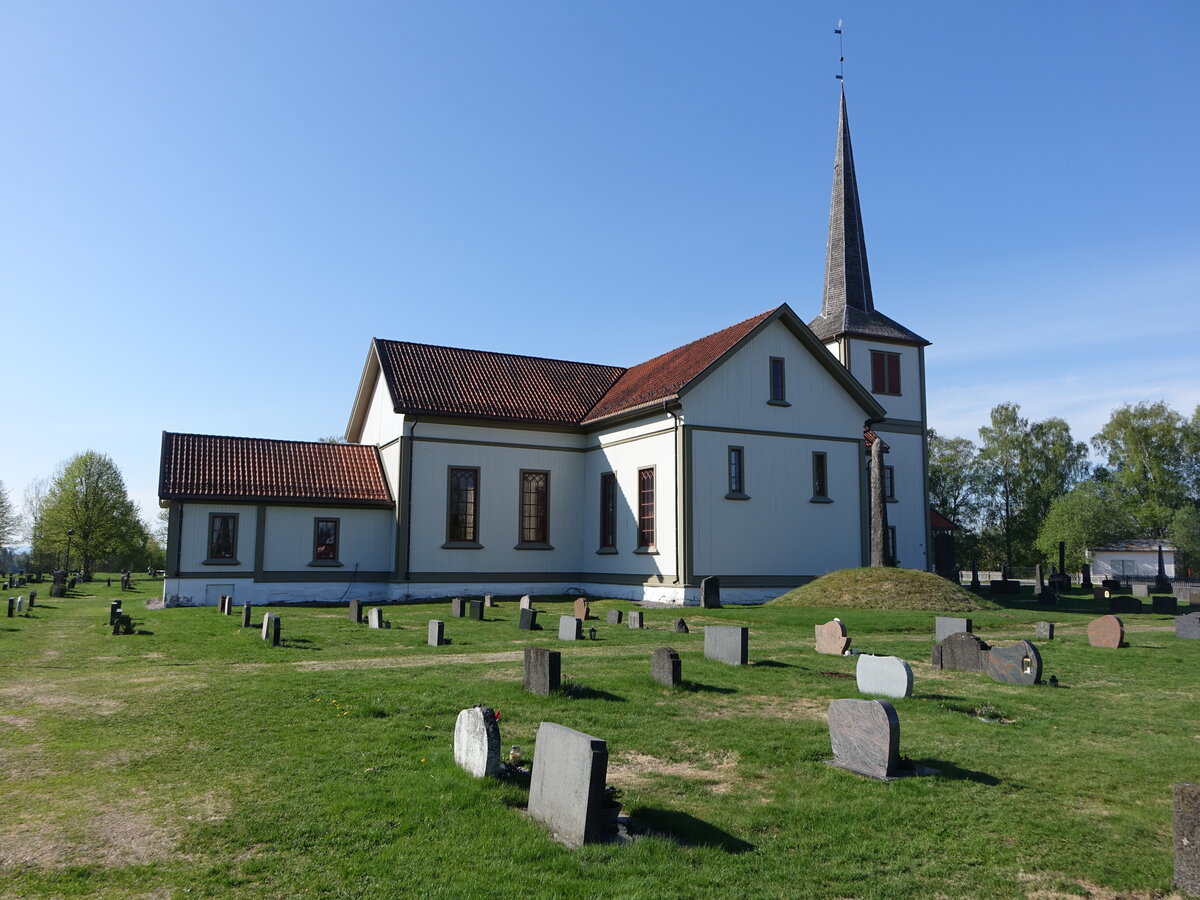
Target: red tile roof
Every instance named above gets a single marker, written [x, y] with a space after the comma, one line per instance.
[938, 522]
[449, 381]
[213, 467]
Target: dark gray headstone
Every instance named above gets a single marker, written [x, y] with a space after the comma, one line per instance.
[1043, 631]
[727, 643]
[962, 650]
[1121, 604]
[33, 596]
[356, 612]
[1037, 574]
[543, 671]
[710, 592]
[1085, 580]
[681, 627]
[528, 620]
[477, 742]
[477, 610]
[458, 608]
[1186, 807]
[246, 615]
[1188, 627]
[665, 667]
[944, 626]
[437, 633]
[12, 607]
[635, 618]
[1019, 664]
[570, 628]
[1164, 606]
[865, 735]
[614, 617]
[566, 789]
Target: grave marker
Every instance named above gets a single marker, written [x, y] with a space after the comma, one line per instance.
[614, 617]
[246, 614]
[1043, 631]
[1019, 664]
[437, 634]
[665, 667]
[886, 675]
[865, 735]
[566, 790]
[477, 742]
[727, 643]
[681, 627]
[961, 650]
[635, 618]
[1085, 581]
[1122, 604]
[1185, 803]
[528, 620]
[1164, 606]
[458, 608]
[583, 611]
[570, 628]
[12, 606]
[488, 601]
[1188, 627]
[831, 638]
[271, 629]
[944, 626]
[476, 610]
[526, 602]
[710, 592]
[1141, 590]
[1106, 631]
[355, 612]
[543, 671]
[375, 617]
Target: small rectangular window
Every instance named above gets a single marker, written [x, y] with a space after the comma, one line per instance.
[535, 507]
[608, 511]
[737, 474]
[885, 372]
[325, 540]
[645, 509]
[462, 506]
[778, 382]
[820, 476]
[222, 536]
[889, 482]
[890, 549]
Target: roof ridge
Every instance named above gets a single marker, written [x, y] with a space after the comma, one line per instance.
[241, 437]
[572, 362]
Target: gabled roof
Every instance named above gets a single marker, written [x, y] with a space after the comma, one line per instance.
[938, 522]
[219, 468]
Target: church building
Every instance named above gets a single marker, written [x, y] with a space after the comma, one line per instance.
[743, 454]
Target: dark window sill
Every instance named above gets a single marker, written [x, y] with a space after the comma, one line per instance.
[221, 562]
[778, 403]
[530, 545]
[888, 393]
[332, 563]
[647, 551]
[737, 495]
[607, 551]
[462, 545]
[891, 499]
[820, 500]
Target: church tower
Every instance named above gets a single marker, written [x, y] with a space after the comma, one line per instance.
[887, 359]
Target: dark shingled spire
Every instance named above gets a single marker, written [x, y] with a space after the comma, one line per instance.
[848, 306]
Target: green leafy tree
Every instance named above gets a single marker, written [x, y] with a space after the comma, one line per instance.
[88, 496]
[954, 479]
[1185, 535]
[1146, 446]
[1085, 517]
[10, 522]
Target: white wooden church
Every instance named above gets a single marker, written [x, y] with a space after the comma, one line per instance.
[743, 454]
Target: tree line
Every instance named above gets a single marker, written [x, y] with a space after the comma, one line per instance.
[1026, 485]
[85, 506]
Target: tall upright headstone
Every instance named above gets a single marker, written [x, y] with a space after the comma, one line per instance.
[476, 610]
[436, 633]
[665, 667]
[477, 742]
[583, 610]
[635, 618]
[355, 612]
[710, 592]
[1086, 579]
[375, 617]
[566, 789]
[246, 614]
[458, 608]
[976, 586]
[12, 607]
[1162, 584]
[543, 671]
[727, 643]
[569, 628]
[528, 620]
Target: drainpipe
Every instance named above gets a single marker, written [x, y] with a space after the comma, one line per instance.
[408, 502]
[667, 409]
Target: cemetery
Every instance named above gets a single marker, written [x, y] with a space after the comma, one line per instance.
[334, 750]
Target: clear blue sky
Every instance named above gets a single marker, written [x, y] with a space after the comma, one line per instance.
[210, 208]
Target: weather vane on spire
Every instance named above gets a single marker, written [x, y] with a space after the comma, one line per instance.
[841, 76]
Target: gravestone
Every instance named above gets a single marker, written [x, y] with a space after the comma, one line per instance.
[1005, 587]
[681, 627]
[566, 789]
[477, 610]
[228, 605]
[477, 742]
[356, 612]
[1185, 803]
[886, 675]
[976, 587]
[1162, 584]
[727, 643]
[614, 617]
[114, 610]
[1037, 574]
[1182, 591]
[246, 615]
[831, 638]
[12, 606]
[944, 626]
[570, 628]
[1141, 590]
[1113, 584]
[710, 592]
[963, 651]
[1188, 627]
[437, 633]
[665, 667]
[1106, 631]
[1043, 631]
[123, 624]
[20, 605]
[1164, 606]
[458, 608]
[635, 618]
[526, 602]
[1019, 664]
[375, 617]
[33, 596]
[1085, 581]
[529, 620]
[865, 735]
[1102, 593]
[489, 602]
[271, 629]
[543, 671]
[583, 611]
[1122, 604]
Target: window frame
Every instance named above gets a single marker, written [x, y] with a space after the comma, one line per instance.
[642, 518]
[736, 472]
[608, 513]
[885, 373]
[470, 542]
[820, 477]
[777, 387]
[334, 560]
[889, 549]
[537, 542]
[889, 484]
[232, 558]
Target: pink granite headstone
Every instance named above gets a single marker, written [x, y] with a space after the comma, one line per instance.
[1106, 631]
[831, 638]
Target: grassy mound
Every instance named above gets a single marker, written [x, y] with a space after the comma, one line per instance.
[884, 588]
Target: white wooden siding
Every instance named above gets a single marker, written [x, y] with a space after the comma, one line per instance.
[193, 547]
[382, 423]
[365, 539]
[906, 405]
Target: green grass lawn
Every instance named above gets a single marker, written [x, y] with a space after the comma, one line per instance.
[193, 760]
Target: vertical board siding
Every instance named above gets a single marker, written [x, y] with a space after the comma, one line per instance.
[365, 539]
[194, 537]
[906, 405]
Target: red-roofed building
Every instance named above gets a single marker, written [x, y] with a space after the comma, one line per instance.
[739, 454]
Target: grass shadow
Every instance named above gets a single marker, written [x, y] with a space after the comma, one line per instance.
[772, 664]
[576, 691]
[697, 687]
[957, 773]
[299, 644]
[943, 697]
[142, 631]
[687, 829]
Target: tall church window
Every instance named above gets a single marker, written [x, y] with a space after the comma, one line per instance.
[222, 537]
[885, 372]
[645, 509]
[535, 508]
[325, 540]
[462, 506]
[820, 476]
[778, 382]
[608, 511]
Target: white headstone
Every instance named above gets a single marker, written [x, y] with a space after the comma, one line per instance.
[526, 602]
[477, 742]
[20, 604]
[375, 618]
[886, 675]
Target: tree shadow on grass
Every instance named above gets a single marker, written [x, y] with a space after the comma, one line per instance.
[772, 664]
[142, 631]
[957, 773]
[697, 687]
[299, 644]
[576, 691]
[688, 830]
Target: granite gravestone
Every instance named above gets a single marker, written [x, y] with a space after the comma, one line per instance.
[488, 601]
[1188, 627]
[20, 605]
[271, 629]
[831, 638]
[570, 628]
[886, 675]
[865, 735]
[710, 592]
[528, 620]
[1019, 664]
[355, 612]
[635, 618]
[681, 627]
[12, 606]
[476, 609]
[963, 651]
[477, 742]
[1164, 606]
[437, 633]
[1106, 631]
[375, 618]
[543, 670]
[1122, 604]
[33, 596]
[665, 667]
[582, 611]
[1102, 593]
[727, 643]
[1043, 631]
[614, 617]
[1085, 581]
[526, 602]
[246, 615]
[944, 626]
[458, 608]
[1185, 803]
[1140, 590]
[566, 789]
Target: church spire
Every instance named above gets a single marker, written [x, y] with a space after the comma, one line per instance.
[847, 278]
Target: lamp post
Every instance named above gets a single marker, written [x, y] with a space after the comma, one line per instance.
[67, 567]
